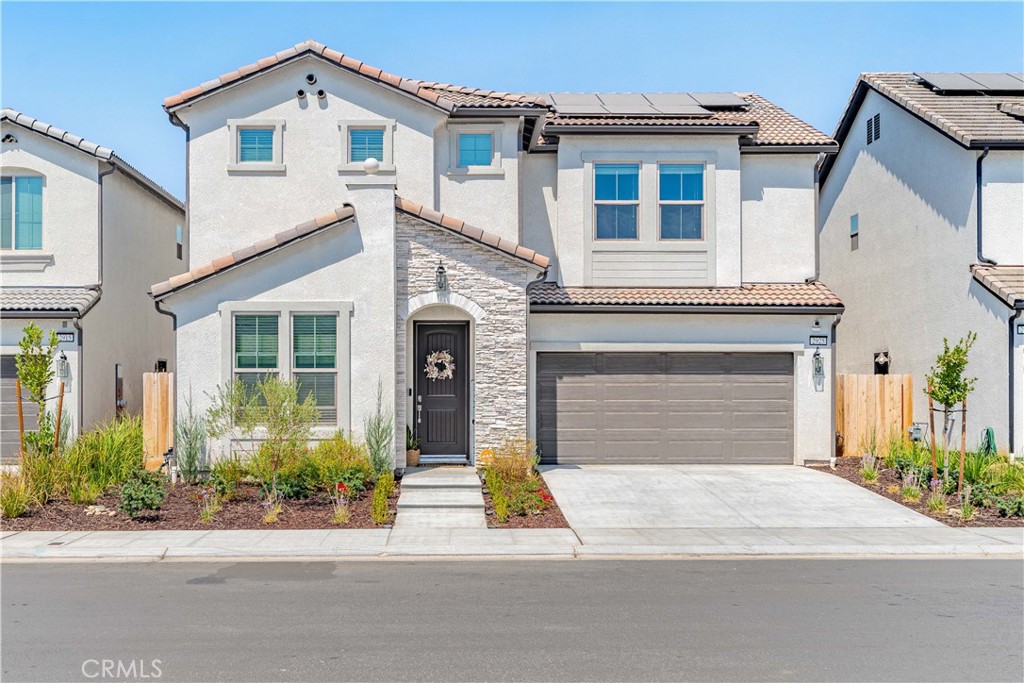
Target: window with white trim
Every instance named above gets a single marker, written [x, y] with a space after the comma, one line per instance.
[21, 205]
[681, 201]
[616, 201]
[315, 362]
[363, 139]
[256, 145]
[255, 354]
[476, 149]
[365, 143]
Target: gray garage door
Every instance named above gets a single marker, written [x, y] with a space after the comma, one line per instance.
[9, 442]
[620, 408]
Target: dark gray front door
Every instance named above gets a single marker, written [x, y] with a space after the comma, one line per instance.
[647, 408]
[442, 405]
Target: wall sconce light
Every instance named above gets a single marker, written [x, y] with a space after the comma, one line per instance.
[819, 365]
[63, 370]
[441, 277]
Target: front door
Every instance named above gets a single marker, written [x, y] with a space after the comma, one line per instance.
[441, 403]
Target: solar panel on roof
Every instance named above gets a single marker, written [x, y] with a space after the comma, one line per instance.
[719, 99]
[644, 109]
[950, 81]
[624, 99]
[683, 110]
[670, 98]
[594, 109]
[996, 81]
[575, 98]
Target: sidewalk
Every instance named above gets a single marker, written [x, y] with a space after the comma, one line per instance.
[534, 543]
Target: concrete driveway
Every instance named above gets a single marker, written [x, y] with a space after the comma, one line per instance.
[719, 496]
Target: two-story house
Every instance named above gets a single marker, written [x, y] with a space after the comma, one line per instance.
[625, 277]
[922, 234]
[83, 235]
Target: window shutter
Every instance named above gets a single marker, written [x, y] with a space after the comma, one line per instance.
[364, 143]
[255, 145]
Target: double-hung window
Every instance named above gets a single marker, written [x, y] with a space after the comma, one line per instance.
[475, 149]
[681, 201]
[21, 203]
[315, 362]
[256, 348]
[256, 145]
[365, 143]
[616, 201]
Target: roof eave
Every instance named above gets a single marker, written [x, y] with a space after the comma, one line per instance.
[686, 308]
[831, 148]
[469, 111]
[614, 129]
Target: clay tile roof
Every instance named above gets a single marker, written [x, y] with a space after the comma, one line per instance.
[448, 97]
[1006, 282]
[797, 295]
[236, 258]
[471, 233]
[72, 300]
[775, 126]
[90, 148]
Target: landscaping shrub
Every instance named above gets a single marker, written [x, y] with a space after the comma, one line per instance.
[143, 491]
[43, 474]
[527, 497]
[225, 476]
[341, 459]
[190, 443]
[512, 480]
[15, 495]
[868, 467]
[382, 490]
[1006, 477]
[1011, 506]
[379, 430]
[106, 456]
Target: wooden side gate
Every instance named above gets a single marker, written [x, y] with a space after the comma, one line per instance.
[868, 407]
[157, 416]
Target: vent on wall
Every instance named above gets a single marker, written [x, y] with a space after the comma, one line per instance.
[874, 127]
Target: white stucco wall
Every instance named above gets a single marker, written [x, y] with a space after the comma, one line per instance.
[352, 262]
[124, 327]
[70, 232]
[683, 332]
[778, 217]
[908, 284]
[577, 153]
[540, 207]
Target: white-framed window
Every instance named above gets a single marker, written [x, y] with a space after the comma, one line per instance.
[363, 139]
[21, 212]
[304, 342]
[315, 361]
[680, 201]
[256, 145]
[854, 232]
[255, 349]
[475, 149]
[179, 241]
[616, 201]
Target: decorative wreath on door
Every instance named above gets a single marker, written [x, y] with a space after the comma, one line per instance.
[440, 365]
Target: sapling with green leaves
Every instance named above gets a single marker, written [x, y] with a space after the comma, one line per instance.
[949, 386]
[379, 429]
[35, 368]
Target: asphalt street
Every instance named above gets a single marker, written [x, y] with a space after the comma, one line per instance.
[745, 620]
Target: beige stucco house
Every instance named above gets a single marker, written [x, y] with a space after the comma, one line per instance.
[82, 237]
[624, 277]
[922, 235]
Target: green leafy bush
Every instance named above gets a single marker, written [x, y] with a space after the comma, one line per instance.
[341, 459]
[225, 475]
[380, 511]
[379, 431]
[512, 480]
[1011, 506]
[43, 474]
[143, 491]
[190, 443]
[1006, 477]
[15, 495]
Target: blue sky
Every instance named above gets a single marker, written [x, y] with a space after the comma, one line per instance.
[101, 70]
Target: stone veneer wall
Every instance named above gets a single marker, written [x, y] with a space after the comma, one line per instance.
[497, 284]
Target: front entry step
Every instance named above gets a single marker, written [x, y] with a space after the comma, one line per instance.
[444, 460]
[441, 497]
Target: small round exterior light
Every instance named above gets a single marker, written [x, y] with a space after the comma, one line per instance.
[371, 166]
[441, 277]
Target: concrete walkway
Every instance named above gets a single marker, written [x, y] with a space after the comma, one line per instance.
[441, 498]
[553, 543]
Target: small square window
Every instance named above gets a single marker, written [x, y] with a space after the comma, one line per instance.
[256, 145]
[475, 149]
[365, 143]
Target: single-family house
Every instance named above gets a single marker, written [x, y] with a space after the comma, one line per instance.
[625, 277]
[82, 237]
[922, 235]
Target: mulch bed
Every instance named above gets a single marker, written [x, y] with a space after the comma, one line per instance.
[849, 469]
[548, 518]
[180, 511]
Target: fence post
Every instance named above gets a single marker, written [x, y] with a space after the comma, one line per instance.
[157, 416]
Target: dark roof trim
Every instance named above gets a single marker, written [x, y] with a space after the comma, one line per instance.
[789, 149]
[685, 308]
[612, 129]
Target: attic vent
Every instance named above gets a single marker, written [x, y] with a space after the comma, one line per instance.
[874, 128]
[10, 139]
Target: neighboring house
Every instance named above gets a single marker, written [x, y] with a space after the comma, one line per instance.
[922, 234]
[625, 277]
[83, 234]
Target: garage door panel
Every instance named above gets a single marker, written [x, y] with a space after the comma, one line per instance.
[665, 408]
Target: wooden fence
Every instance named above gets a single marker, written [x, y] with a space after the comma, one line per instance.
[872, 406]
[157, 416]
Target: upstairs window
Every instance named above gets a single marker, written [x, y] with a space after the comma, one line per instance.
[256, 145]
[681, 201]
[475, 149]
[365, 143]
[256, 352]
[21, 205]
[314, 362]
[179, 241]
[616, 201]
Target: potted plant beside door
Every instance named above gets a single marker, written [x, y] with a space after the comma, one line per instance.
[412, 449]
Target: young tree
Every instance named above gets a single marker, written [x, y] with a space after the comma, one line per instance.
[35, 368]
[949, 386]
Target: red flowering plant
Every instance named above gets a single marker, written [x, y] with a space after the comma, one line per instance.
[339, 501]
